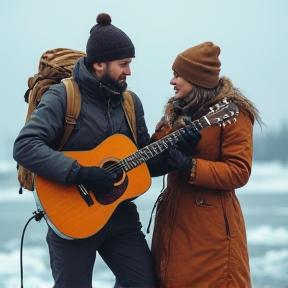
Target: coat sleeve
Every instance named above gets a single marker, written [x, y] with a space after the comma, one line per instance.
[33, 146]
[234, 168]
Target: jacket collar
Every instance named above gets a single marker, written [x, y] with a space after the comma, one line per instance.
[91, 86]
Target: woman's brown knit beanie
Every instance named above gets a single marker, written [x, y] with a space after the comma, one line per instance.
[199, 65]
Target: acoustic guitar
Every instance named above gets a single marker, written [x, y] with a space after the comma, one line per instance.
[74, 213]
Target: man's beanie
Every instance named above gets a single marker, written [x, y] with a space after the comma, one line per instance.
[199, 65]
[107, 42]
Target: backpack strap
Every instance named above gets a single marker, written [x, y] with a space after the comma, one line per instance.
[129, 110]
[73, 108]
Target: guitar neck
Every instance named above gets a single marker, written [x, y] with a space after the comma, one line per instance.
[159, 146]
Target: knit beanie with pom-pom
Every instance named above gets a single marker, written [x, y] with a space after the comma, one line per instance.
[107, 42]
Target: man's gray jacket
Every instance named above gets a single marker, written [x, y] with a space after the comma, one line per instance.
[101, 116]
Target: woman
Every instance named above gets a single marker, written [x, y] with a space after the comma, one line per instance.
[199, 237]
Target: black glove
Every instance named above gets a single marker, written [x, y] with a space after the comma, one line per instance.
[179, 160]
[95, 179]
[188, 140]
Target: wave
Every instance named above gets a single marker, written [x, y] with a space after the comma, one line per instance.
[11, 194]
[273, 265]
[7, 166]
[267, 235]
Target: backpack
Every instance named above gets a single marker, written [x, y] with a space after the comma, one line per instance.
[55, 66]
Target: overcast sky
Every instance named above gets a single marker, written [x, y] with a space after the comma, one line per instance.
[252, 35]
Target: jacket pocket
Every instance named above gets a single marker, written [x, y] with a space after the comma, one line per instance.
[202, 202]
[210, 218]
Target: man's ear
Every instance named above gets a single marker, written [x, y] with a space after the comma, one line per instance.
[98, 69]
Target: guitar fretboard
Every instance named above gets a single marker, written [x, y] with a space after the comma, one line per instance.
[159, 146]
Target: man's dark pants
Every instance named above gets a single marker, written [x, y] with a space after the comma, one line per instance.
[120, 243]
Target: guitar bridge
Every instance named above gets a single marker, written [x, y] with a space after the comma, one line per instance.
[85, 195]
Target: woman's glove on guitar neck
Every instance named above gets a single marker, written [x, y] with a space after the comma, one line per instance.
[95, 179]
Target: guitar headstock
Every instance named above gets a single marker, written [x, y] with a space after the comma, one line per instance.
[223, 113]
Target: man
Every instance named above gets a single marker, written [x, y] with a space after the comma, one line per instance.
[101, 77]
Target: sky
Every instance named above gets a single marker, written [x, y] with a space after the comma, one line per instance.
[252, 35]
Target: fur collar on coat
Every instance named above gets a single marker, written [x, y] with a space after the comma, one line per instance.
[227, 90]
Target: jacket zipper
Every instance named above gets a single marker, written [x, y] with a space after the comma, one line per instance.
[110, 130]
[225, 217]
[227, 225]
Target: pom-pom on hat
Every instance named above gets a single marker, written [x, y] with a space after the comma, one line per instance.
[199, 65]
[107, 42]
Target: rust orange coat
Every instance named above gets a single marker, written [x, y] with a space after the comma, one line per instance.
[199, 238]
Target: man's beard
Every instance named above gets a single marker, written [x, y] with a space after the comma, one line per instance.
[113, 84]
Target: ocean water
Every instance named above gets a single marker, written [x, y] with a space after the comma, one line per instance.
[264, 203]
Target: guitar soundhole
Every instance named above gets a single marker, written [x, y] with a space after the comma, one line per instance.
[120, 185]
[114, 168]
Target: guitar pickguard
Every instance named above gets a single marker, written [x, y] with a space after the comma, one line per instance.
[114, 194]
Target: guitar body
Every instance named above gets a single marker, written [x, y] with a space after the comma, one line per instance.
[65, 210]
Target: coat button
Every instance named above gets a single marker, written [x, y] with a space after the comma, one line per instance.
[200, 201]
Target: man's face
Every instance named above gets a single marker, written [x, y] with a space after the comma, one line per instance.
[113, 74]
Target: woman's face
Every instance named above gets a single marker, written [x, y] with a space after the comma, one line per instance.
[182, 87]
